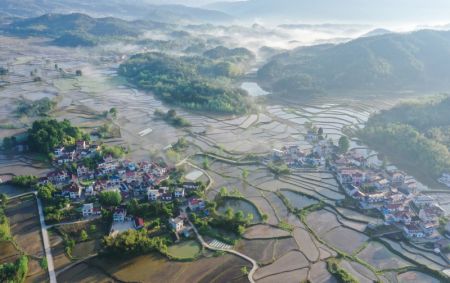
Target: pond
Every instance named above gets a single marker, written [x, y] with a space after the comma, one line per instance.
[12, 191]
[184, 250]
[253, 89]
[238, 204]
[298, 200]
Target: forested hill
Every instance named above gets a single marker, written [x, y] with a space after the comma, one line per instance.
[416, 135]
[391, 62]
[78, 29]
[192, 82]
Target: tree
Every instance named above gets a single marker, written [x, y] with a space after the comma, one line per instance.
[344, 144]
[113, 112]
[3, 199]
[171, 114]
[244, 174]
[45, 192]
[110, 198]
[244, 270]
[92, 228]
[320, 131]
[84, 235]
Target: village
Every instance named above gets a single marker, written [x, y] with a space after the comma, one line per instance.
[82, 183]
[374, 188]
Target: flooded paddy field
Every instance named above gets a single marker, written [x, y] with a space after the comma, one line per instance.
[286, 255]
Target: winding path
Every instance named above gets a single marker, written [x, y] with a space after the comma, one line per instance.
[206, 245]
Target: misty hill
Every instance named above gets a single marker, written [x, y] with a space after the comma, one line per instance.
[132, 9]
[376, 32]
[221, 52]
[391, 62]
[337, 10]
[77, 29]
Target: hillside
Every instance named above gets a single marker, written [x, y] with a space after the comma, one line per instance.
[131, 9]
[77, 29]
[414, 135]
[191, 82]
[391, 62]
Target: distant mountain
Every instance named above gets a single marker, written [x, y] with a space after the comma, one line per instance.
[325, 10]
[376, 32]
[77, 29]
[131, 9]
[417, 61]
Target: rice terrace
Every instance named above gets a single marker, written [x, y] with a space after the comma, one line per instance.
[192, 147]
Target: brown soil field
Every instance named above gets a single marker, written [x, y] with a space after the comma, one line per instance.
[260, 250]
[155, 268]
[8, 253]
[60, 260]
[25, 226]
[319, 273]
[345, 239]
[306, 244]
[287, 277]
[26, 230]
[262, 231]
[83, 273]
[291, 261]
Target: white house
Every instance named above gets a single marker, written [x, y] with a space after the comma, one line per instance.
[423, 200]
[179, 192]
[196, 204]
[59, 151]
[119, 215]
[89, 209]
[73, 191]
[177, 223]
[153, 194]
[413, 231]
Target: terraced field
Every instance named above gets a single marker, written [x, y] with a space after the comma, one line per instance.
[289, 247]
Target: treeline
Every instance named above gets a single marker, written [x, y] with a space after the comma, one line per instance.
[407, 145]
[172, 118]
[47, 134]
[134, 242]
[415, 134]
[191, 82]
[39, 107]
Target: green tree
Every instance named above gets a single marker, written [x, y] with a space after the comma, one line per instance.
[3, 199]
[45, 192]
[113, 112]
[84, 235]
[110, 198]
[92, 228]
[245, 174]
[343, 144]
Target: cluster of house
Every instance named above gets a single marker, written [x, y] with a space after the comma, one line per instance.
[107, 174]
[177, 224]
[392, 192]
[294, 157]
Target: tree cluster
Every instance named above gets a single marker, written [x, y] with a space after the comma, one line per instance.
[195, 83]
